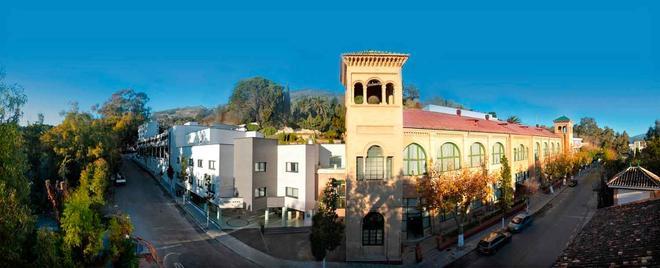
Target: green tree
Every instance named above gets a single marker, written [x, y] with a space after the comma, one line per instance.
[588, 130]
[95, 178]
[126, 110]
[16, 224]
[49, 250]
[82, 226]
[513, 119]
[12, 100]
[13, 161]
[327, 229]
[506, 190]
[122, 246]
[410, 96]
[258, 99]
[650, 156]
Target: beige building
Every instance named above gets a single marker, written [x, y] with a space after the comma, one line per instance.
[386, 145]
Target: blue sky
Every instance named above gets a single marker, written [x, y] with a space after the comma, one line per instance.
[537, 61]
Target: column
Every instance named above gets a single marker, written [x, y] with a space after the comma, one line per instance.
[266, 217]
[284, 216]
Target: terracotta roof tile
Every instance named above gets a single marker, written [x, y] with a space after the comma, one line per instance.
[635, 178]
[625, 235]
[414, 118]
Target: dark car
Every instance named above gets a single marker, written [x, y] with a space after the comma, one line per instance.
[572, 183]
[519, 222]
[119, 179]
[493, 241]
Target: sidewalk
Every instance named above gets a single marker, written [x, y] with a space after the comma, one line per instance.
[436, 258]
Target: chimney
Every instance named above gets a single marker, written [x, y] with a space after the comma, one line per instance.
[458, 112]
[487, 117]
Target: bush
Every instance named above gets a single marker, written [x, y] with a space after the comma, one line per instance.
[252, 127]
[268, 131]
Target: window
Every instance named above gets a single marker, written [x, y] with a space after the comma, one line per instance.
[292, 167]
[358, 93]
[335, 161]
[359, 166]
[515, 154]
[211, 164]
[372, 229]
[498, 152]
[449, 157]
[552, 151]
[523, 152]
[545, 149]
[388, 167]
[558, 149]
[537, 150]
[389, 93]
[260, 192]
[260, 166]
[200, 162]
[415, 222]
[292, 192]
[340, 185]
[374, 92]
[191, 162]
[374, 164]
[477, 154]
[414, 160]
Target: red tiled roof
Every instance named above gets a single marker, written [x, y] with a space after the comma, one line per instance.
[414, 118]
[637, 178]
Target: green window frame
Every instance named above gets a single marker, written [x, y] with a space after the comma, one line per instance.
[449, 157]
[477, 154]
[374, 164]
[498, 152]
[545, 149]
[414, 160]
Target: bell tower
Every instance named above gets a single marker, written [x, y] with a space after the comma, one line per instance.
[564, 127]
[374, 144]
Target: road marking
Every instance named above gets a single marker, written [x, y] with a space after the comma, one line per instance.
[178, 265]
[170, 246]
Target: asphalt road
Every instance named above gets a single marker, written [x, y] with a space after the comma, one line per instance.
[553, 228]
[179, 242]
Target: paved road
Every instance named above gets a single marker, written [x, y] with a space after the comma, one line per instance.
[158, 220]
[552, 229]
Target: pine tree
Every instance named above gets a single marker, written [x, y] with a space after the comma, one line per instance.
[327, 230]
[506, 191]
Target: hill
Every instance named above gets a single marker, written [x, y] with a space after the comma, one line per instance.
[181, 115]
[309, 92]
[639, 137]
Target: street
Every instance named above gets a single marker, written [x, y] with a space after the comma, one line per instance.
[179, 242]
[552, 229]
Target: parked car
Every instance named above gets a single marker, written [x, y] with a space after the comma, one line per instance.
[519, 222]
[490, 243]
[119, 179]
[572, 183]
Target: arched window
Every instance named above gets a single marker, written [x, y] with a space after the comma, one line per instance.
[358, 93]
[374, 164]
[372, 229]
[558, 148]
[515, 154]
[537, 149]
[477, 154]
[498, 152]
[523, 152]
[449, 157]
[414, 160]
[552, 146]
[389, 93]
[374, 92]
[545, 149]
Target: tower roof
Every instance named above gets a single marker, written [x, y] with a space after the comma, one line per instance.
[561, 119]
[374, 52]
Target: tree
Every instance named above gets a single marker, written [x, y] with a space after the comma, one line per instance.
[506, 191]
[12, 99]
[49, 251]
[327, 230]
[82, 227]
[122, 250]
[588, 130]
[16, 224]
[410, 96]
[514, 120]
[126, 110]
[258, 99]
[94, 178]
[13, 161]
[650, 156]
[456, 191]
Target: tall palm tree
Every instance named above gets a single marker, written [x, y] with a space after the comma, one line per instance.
[513, 119]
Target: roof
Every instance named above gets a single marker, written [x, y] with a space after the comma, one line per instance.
[414, 118]
[636, 178]
[375, 52]
[625, 235]
[562, 118]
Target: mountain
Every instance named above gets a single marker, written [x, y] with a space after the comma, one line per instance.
[181, 115]
[309, 92]
[639, 137]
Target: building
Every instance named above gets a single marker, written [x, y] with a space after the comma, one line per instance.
[387, 145]
[634, 184]
[637, 146]
[617, 236]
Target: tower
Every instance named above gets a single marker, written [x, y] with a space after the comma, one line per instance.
[374, 137]
[564, 126]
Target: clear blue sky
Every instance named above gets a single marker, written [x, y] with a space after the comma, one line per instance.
[537, 61]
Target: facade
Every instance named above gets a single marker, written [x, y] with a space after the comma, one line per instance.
[387, 146]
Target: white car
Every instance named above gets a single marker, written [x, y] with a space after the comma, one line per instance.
[119, 179]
